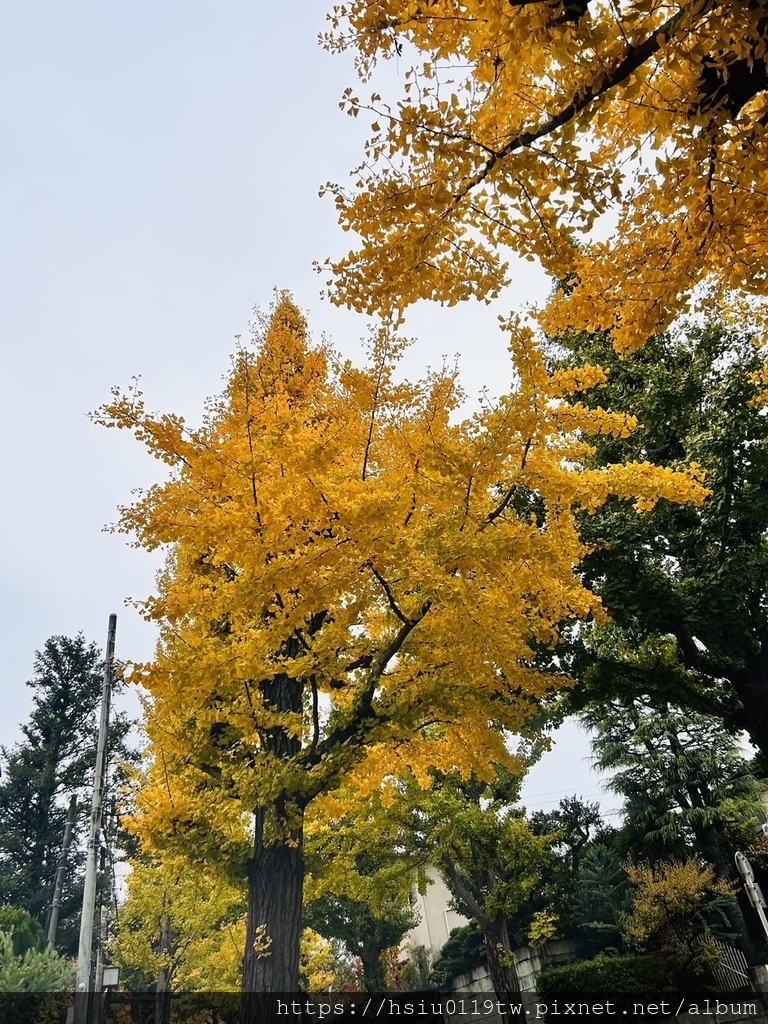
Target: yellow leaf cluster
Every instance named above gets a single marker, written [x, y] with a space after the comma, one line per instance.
[357, 579]
[672, 910]
[522, 123]
[186, 923]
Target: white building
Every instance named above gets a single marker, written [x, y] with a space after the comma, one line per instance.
[437, 919]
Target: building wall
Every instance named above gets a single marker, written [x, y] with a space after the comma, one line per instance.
[437, 920]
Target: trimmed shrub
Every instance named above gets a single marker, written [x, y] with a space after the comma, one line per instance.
[464, 950]
[607, 977]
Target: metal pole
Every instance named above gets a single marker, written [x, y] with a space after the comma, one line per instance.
[53, 921]
[753, 890]
[83, 976]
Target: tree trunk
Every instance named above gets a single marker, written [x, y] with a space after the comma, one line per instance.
[500, 962]
[752, 690]
[372, 972]
[273, 929]
[163, 982]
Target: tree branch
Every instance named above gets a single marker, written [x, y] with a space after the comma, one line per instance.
[388, 591]
[470, 481]
[315, 716]
[462, 892]
[503, 504]
[634, 58]
[374, 406]
[364, 717]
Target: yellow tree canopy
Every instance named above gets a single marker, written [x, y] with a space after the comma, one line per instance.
[185, 924]
[357, 578]
[523, 121]
[189, 924]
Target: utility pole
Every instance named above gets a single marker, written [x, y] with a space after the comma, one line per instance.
[83, 979]
[53, 920]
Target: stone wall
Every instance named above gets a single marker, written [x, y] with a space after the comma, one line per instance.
[528, 964]
[471, 991]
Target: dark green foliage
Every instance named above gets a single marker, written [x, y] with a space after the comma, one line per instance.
[463, 952]
[602, 893]
[26, 933]
[687, 588]
[416, 971]
[362, 932]
[54, 759]
[682, 776]
[607, 977]
[574, 823]
[586, 887]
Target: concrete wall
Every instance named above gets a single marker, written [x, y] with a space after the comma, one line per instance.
[437, 920]
[725, 1009]
[528, 963]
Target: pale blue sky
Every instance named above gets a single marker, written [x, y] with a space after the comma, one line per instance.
[159, 176]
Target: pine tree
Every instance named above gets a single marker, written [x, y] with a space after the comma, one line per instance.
[684, 780]
[54, 759]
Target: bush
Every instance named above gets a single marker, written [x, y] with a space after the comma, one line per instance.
[607, 977]
[25, 929]
[36, 971]
[464, 950]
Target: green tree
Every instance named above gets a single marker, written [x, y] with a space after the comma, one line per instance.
[464, 950]
[470, 830]
[490, 857]
[602, 894]
[359, 883]
[574, 822]
[684, 780]
[586, 888]
[686, 588]
[24, 929]
[54, 759]
[36, 970]
[683, 777]
[363, 932]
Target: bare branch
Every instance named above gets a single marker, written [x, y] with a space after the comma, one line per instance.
[466, 501]
[315, 717]
[354, 733]
[388, 654]
[374, 405]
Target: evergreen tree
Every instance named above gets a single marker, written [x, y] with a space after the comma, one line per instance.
[574, 822]
[683, 777]
[364, 933]
[686, 587]
[54, 759]
[684, 780]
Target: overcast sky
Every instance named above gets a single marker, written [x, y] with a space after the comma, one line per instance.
[159, 177]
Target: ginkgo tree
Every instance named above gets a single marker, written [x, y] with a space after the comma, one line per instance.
[520, 123]
[357, 582]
